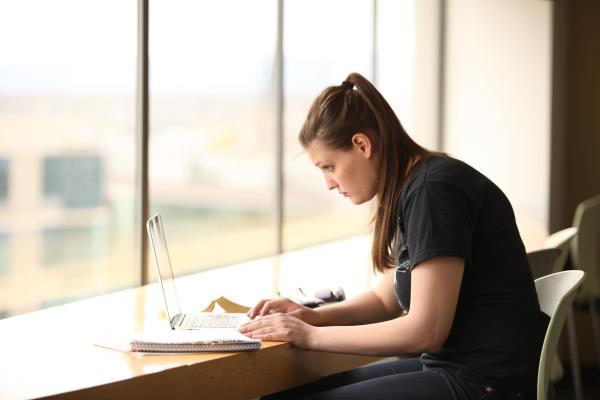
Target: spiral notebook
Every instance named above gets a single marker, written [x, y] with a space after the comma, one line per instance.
[177, 341]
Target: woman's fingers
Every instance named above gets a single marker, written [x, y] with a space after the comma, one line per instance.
[257, 323]
[266, 324]
[268, 337]
[263, 307]
[268, 332]
[256, 308]
[279, 327]
[284, 306]
[266, 307]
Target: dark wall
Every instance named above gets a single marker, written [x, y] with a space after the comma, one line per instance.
[575, 153]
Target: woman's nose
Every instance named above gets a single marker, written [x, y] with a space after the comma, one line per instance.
[330, 184]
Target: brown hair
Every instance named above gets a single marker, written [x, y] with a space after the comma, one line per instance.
[335, 116]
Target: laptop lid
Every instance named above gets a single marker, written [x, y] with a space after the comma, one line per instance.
[158, 242]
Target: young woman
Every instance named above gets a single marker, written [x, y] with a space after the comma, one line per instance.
[456, 284]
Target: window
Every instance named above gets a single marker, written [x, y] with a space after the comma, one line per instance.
[67, 117]
[408, 59]
[76, 181]
[68, 93]
[4, 174]
[4, 253]
[85, 244]
[314, 60]
[212, 154]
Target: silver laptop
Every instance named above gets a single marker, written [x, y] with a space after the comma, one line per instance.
[177, 319]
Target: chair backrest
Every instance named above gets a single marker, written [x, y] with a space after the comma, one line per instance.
[585, 247]
[542, 262]
[555, 293]
[560, 240]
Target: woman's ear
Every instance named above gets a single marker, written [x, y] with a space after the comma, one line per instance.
[362, 143]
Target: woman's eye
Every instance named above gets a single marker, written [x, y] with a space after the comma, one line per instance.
[328, 168]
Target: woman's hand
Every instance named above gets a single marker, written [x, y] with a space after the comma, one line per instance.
[280, 327]
[284, 306]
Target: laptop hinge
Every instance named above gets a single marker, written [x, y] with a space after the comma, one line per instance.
[177, 321]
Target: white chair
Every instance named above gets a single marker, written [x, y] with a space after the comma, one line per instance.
[561, 241]
[585, 255]
[555, 293]
[543, 262]
[585, 247]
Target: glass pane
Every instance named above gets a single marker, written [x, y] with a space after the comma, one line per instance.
[212, 130]
[408, 64]
[395, 60]
[320, 53]
[67, 116]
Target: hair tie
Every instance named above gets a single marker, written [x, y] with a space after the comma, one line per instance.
[347, 85]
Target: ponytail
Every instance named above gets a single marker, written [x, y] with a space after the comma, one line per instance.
[357, 106]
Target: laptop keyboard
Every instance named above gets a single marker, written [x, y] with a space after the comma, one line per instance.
[210, 321]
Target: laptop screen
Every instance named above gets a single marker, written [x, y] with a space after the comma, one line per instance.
[158, 242]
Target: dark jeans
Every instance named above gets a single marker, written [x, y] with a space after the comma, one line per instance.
[401, 379]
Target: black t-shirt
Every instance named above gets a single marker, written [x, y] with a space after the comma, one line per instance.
[447, 208]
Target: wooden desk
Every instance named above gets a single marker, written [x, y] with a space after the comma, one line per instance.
[49, 353]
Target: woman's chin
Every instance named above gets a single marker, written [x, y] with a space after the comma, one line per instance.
[359, 200]
[355, 200]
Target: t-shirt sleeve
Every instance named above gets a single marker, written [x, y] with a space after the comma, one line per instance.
[438, 221]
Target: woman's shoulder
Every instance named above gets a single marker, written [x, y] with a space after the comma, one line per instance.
[442, 169]
[446, 173]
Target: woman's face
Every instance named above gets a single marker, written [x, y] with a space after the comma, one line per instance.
[352, 172]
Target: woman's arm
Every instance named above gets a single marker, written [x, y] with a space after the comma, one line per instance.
[379, 304]
[435, 286]
[376, 305]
